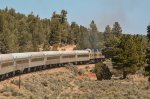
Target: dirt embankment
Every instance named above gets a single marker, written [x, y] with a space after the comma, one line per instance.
[72, 83]
[66, 48]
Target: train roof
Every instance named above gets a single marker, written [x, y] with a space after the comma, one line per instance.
[35, 54]
[52, 52]
[68, 52]
[20, 55]
[81, 51]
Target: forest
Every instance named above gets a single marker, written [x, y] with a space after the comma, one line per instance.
[26, 33]
[22, 33]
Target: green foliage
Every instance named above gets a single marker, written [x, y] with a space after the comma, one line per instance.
[148, 55]
[127, 51]
[1, 23]
[148, 50]
[90, 38]
[86, 38]
[55, 36]
[84, 41]
[102, 71]
[129, 54]
[116, 30]
[148, 31]
[20, 33]
[93, 26]
[94, 35]
[107, 33]
[75, 33]
[111, 41]
[64, 15]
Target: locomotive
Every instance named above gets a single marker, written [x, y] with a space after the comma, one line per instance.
[14, 63]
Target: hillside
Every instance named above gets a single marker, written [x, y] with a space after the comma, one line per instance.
[28, 33]
[66, 48]
[66, 83]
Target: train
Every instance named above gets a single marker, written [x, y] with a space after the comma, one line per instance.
[14, 63]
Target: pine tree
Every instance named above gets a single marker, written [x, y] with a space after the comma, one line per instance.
[94, 35]
[148, 50]
[147, 68]
[84, 38]
[34, 32]
[93, 26]
[148, 31]
[3, 44]
[1, 23]
[111, 41]
[107, 32]
[12, 42]
[55, 37]
[46, 31]
[140, 47]
[70, 37]
[75, 32]
[129, 54]
[111, 38]
[65, 27]
[63, 16]
[107, 35]
[59, 28]
[116, 30]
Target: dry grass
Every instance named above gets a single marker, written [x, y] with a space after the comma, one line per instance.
[66, 83]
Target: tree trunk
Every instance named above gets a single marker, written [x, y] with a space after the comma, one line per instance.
[124, 73]
[149, 78]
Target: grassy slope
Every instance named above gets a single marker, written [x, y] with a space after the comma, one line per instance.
[65, 83]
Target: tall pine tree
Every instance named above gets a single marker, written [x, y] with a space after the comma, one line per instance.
[148, 50]
[116, 30]
[94, 35]
[129, 54]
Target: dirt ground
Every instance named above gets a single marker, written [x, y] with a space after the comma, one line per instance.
[67, 48]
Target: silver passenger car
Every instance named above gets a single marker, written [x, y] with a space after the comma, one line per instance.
[36, 59]
[52, 57]
[21, 60]
[68, 56]
[82, 55]
[9, 63]
[6, 63]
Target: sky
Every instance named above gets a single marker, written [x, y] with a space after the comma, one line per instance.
[133, 15]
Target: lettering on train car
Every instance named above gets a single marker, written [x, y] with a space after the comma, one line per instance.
[37, 59]
[7, 64]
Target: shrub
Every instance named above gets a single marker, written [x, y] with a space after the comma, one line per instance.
[102, 71]
[72, 68]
